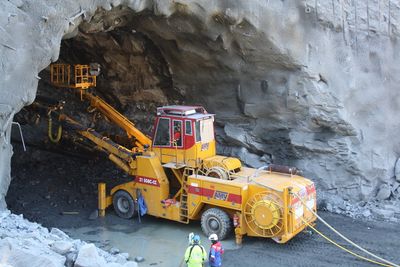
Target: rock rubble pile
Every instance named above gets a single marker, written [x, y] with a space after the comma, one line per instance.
[23, 243]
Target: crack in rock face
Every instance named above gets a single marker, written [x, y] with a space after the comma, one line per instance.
[293, 83]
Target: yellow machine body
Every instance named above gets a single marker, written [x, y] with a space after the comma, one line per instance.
[180, 177]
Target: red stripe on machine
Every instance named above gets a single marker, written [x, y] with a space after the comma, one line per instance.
[194, 190]
[147, 180]
[206, 192]
[235, 198]
[200, 191]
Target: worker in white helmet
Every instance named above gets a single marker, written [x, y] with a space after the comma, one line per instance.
[216, 251]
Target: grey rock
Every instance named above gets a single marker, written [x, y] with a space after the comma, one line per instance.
[382, 213]
[395, 186]
[17, 3]
[19, 254]
[119, 259]
[249, 159]
[124, 255]
[61, 247]
[70, 259]
[384, 192]
[58, 233]
[139, 259]
[89, 257]
[397, 170]
[395, 208]
[30, 244]
[366, 213]
[235, 135]
[114, 250]
[329, 207]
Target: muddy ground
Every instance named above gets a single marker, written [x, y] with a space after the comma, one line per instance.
[47, 183]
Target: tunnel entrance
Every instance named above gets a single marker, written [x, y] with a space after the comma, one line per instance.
[149, 61]
[55, 183]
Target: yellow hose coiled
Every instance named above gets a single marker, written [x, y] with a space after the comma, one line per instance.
[50, 132]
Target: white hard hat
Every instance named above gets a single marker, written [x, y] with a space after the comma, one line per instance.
[213, 237]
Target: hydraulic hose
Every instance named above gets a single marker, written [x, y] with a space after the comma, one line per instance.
[346, 239]
[343, 248]
[57, 138]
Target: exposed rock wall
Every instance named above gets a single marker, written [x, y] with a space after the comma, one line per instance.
[305, 83]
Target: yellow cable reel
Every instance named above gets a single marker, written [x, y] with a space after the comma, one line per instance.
[263, 214]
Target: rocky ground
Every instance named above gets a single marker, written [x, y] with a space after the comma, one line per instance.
[312, 250]
[23, 243]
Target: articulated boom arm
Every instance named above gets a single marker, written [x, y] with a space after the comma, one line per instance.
[121, 156]
[119, 119]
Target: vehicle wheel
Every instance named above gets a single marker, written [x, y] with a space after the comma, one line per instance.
[124, 205]
[216, 221]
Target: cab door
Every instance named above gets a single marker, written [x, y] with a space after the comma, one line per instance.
[168, 141]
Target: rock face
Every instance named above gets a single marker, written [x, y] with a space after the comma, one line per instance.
[306, 83]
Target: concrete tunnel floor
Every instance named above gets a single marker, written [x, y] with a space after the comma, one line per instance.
[46, 183]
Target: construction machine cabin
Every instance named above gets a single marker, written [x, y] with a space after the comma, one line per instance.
[179, 176]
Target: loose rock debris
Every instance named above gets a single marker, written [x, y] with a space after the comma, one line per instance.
[23, 243]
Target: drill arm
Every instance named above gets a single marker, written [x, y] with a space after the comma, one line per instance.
[121, 156]
[119, 119]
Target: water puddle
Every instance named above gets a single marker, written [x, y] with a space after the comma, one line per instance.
[160, 242]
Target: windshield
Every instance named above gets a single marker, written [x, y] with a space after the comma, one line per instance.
[205, 130]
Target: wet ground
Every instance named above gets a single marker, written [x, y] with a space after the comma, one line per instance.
[47, 184]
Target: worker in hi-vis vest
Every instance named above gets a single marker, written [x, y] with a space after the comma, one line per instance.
[195, 254]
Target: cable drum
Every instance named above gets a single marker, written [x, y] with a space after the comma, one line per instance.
[264, 214]
[217, 172]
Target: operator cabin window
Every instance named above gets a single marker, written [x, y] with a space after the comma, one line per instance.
[162, 133]
[205, 130]
[178, 133]
[188, 127]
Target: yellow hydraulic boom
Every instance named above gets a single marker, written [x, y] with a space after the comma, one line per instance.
[119, 119]
[84, 77]
[120, 155]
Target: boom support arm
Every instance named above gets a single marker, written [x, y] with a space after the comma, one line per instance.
[119, 119]
[121, 156]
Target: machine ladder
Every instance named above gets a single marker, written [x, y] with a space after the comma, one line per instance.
[184, 208]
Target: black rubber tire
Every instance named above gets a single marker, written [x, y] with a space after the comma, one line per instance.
[216, 221]
[124, 205]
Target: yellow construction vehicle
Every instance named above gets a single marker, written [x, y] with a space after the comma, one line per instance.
[181, 178]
